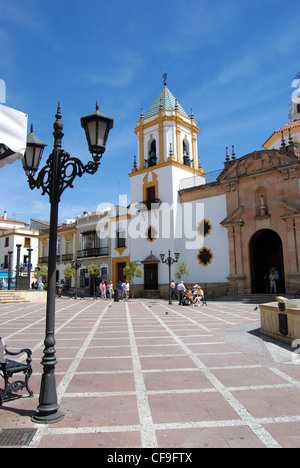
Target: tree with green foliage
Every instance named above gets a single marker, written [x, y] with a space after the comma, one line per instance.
[40, 272]
[133, 270]
[182, 270]
[94, 272]
[69, 272]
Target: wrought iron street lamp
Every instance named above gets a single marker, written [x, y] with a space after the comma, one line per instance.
[97, 127]
[169, 261]
[58, 174]
[33, 153]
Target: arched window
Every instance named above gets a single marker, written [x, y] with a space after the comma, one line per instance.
[151, 161]
[185, 152]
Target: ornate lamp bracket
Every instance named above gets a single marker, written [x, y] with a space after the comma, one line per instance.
[68, 169]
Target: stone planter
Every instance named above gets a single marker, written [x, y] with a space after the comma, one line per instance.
[280, 320]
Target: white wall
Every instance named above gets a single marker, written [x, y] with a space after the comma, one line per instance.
[214, 211]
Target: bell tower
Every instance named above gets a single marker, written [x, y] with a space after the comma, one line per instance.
[166, 133]
[294, 113]
[166, 149]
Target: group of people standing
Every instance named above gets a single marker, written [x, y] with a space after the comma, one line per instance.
[107, 289]
[192, 295]
[36, 285]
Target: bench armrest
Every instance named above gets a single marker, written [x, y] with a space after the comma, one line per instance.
[21, 351]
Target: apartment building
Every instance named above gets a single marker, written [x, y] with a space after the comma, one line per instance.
[18, 242]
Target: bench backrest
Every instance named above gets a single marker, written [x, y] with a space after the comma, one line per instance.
[2, 352]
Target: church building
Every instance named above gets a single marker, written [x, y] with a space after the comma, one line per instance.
[231, 232]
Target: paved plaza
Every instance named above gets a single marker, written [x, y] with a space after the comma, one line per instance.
[153, 375]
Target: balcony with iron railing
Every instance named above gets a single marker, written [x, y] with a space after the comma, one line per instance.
[45, 259]
[147, 205]
[93, 252]
[67, 257]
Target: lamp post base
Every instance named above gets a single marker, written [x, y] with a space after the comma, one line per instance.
[47, 418]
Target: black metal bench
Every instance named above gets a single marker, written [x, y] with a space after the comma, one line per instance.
[8, 368]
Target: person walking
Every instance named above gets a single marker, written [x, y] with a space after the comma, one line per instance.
[173, 290]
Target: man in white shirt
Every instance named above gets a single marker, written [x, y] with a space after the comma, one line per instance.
[180, 289]
[110, 289]
[126, 287]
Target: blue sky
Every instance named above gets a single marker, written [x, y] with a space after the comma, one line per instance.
[232, 61]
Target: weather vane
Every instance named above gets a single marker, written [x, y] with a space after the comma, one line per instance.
[165, 78]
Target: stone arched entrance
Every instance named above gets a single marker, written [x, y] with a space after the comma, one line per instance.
[266, 253]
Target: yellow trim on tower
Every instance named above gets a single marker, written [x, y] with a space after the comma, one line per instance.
[161, 142]
[170, 162]
[194, 149]
[153, 183]
[162, 116]
[141, 146]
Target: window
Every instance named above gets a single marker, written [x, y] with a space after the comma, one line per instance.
[104, 273]
[68, 282]
[84, 278]
[185, 150]
[205, 256]
[68, 246]
[151, 161]
[27, 242]
[45, 250]
[151, 202]
[6, 242]
[203, 228]
[151, 234]
[151, 194]
[25, 261]
[120, 238]
[90, 240]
